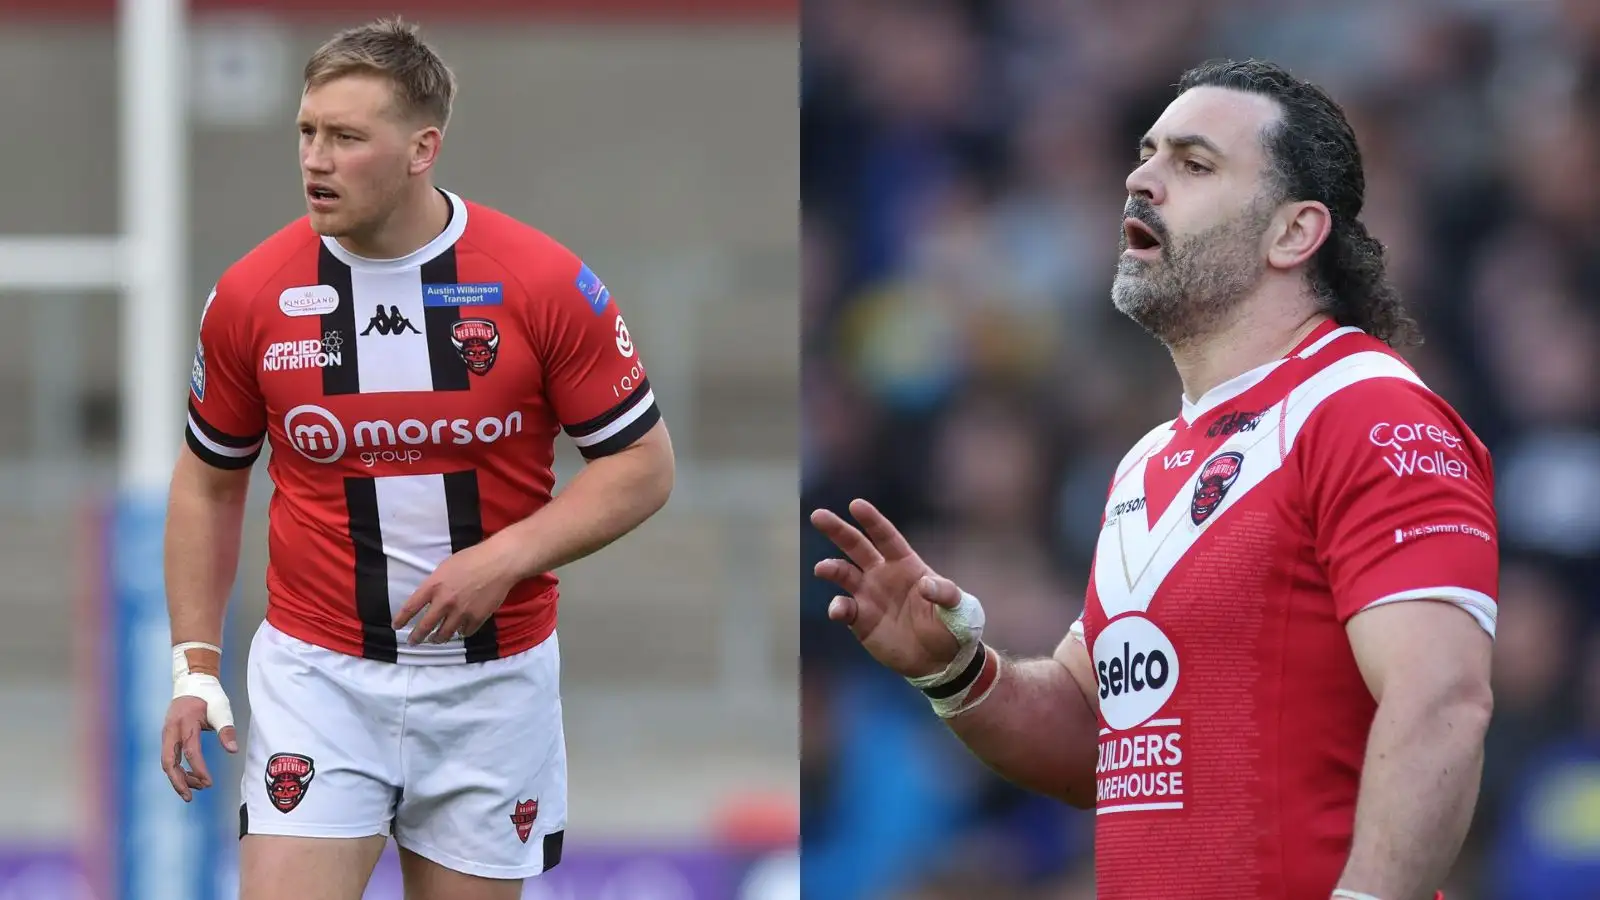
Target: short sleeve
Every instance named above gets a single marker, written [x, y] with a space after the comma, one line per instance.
[1401, 496]
[227, 417]
[595, 379]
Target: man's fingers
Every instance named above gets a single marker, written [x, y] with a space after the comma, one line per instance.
[197, 761]
[843, 610]
[171, 751]
[854, 544]
[413, 604]
[841, 573]
[427, 624]
[194, 781]
[941, 591]
[229, 738]
[447, 628]
[880, 530]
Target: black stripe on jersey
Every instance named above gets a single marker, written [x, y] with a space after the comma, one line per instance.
[371, 571]
[221, 438]
[449, 369]
[344, 378]
[465, 514]
[627, 435]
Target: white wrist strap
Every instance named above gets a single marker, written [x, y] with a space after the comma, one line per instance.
[202, 684]
[1342, 894]
[971, 676]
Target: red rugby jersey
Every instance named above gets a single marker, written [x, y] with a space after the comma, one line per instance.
[1238, 540]
[412, 407]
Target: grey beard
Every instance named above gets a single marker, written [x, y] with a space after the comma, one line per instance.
[1193, 289]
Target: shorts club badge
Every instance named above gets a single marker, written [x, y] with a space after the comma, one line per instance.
[288, 777]
[1216, 476]
[522, 817]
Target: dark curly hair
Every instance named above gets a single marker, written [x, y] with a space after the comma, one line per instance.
[1312, 155]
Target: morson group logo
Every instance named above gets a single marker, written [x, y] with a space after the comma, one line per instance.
[319, 436]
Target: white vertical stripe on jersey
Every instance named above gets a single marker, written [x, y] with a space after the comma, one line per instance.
[391, 362]
[414, 520]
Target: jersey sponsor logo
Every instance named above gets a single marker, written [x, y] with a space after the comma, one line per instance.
[310, 300]
[1401, 535]
[1236, 422]
[1177, 460]
[628, 382]
[593, 290]
[197, 371]
[388, 322]
[319, 436]
[477, 294]
[1418, 449]
[478, 342]
[282, 356]
[624, 340]
[1136, 667]
[523, 816]
[1212, 484]
[288, 778]
[1121, 509]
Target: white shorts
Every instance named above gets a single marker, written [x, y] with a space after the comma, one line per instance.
[465, 765]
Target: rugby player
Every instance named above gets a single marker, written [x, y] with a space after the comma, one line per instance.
[1279, 684]
[410, 357]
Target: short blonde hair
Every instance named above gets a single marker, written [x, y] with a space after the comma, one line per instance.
[424, 86]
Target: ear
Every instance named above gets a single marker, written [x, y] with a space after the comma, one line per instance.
[425, 145]
[1298, 230]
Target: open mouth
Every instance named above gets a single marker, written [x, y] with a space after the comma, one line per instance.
[318, 192]
[1139, 235]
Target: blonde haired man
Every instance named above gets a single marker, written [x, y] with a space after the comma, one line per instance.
[410, 357]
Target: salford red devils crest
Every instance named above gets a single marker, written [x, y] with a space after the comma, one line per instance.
[523, 816]
[288, 777]
[478, 342]
[1216, 476]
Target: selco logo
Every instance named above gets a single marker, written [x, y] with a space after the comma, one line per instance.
[1137, 670]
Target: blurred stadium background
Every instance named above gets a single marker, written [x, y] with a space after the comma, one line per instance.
[659, 140]
[962, 182]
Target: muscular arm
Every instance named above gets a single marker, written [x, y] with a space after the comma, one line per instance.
[1427, 664]
[611, 496]
[205, 516]
[1038, 727]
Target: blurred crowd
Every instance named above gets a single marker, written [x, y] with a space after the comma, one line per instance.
[963, 178]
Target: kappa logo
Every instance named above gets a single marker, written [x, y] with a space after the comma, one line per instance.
[1215, 478]
[523, 817]
[288, 778]
[391, 322]
[478, 342]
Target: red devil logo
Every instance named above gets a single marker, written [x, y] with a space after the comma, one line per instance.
[288, 776]
[523, 816]
[1216, 476]
[478, 342]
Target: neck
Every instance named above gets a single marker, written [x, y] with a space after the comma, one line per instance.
[420, 218]
[1261, 330]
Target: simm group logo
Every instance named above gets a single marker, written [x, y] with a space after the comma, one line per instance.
[319, 436]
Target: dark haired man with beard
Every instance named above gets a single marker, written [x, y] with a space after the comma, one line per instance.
[1279, 684]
